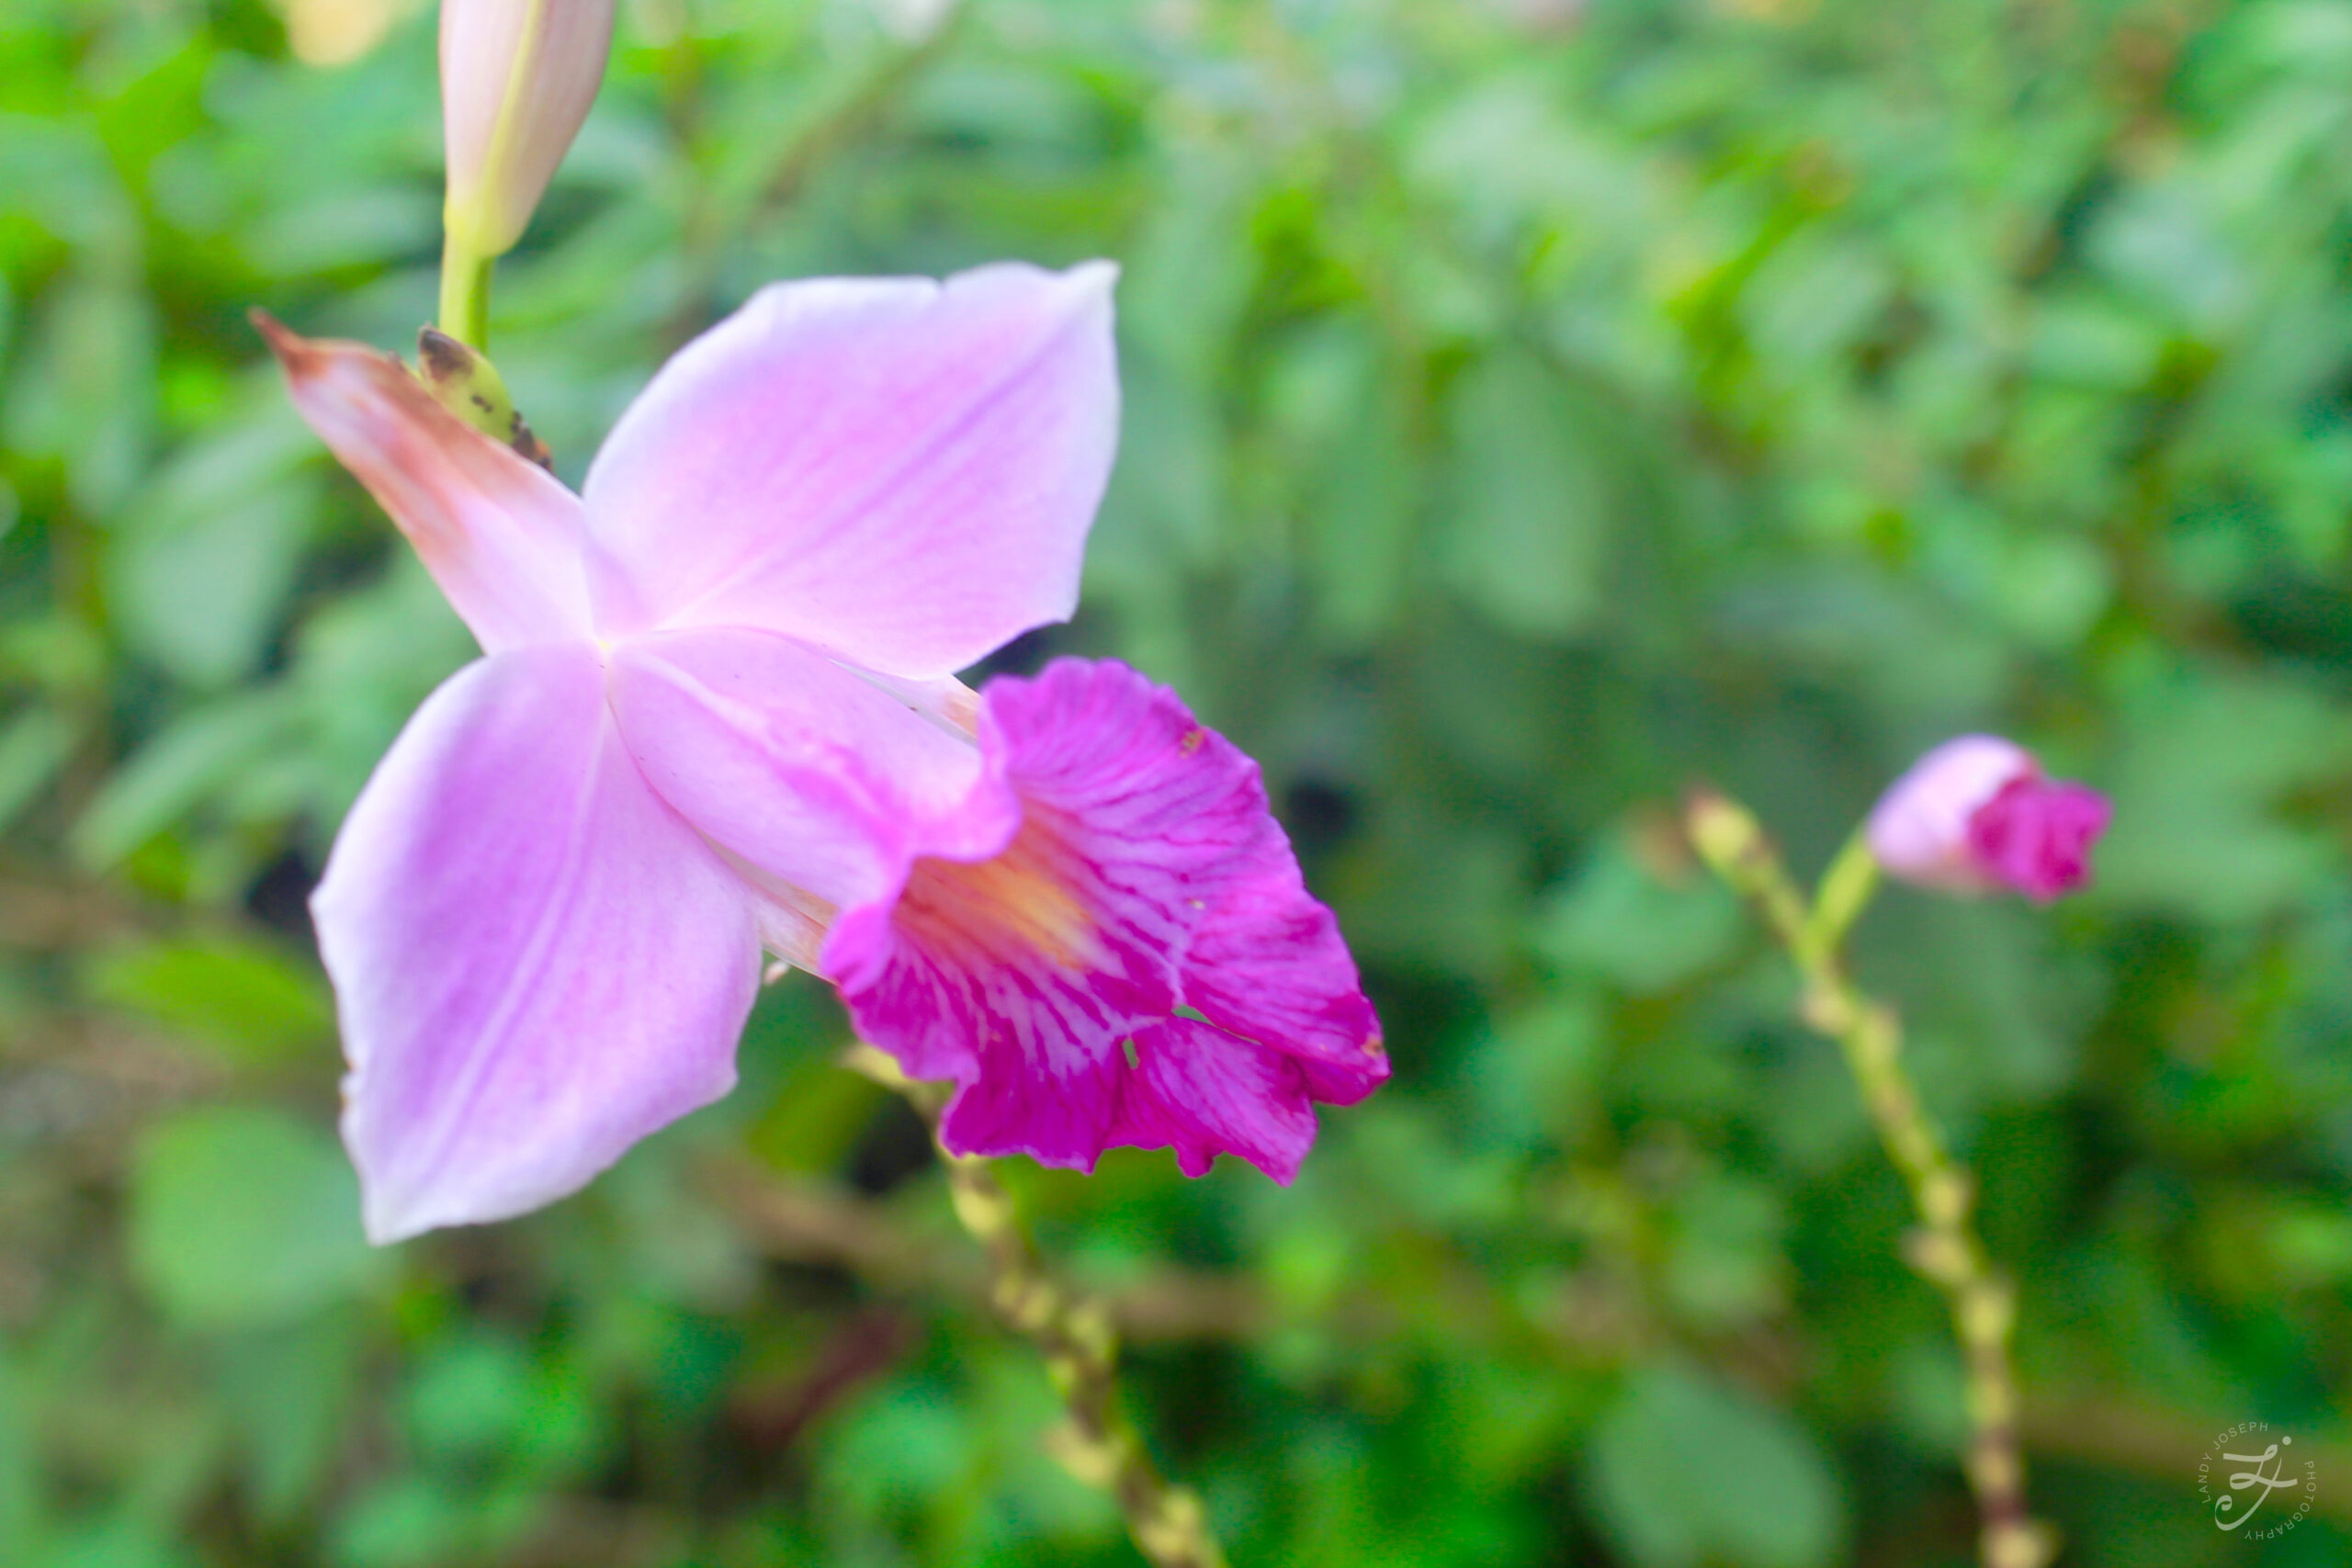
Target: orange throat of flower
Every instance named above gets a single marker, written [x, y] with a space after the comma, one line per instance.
[1017, 903]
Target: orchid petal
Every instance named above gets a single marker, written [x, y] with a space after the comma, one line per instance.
[1146, 876]
[1033, 963]
[2036, 834]
[1059, 1109]
[499, 533]
[1203, 1093]
[537, 963]
[808, 773]
[1269, 965]
[900, 471]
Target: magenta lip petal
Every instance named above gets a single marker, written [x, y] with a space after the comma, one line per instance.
[2036, 836]
[536, 962]
[1203, 1092]
[1141, 965]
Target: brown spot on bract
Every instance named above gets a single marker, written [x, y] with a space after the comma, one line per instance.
[443, 356]
[520, 436]
[1194, 738]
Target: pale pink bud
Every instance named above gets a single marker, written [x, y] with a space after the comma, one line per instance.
[516, 79]
[1978, 814]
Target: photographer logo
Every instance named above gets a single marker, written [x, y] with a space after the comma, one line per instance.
[2245, 1468]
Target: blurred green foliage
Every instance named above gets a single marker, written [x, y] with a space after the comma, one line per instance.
[1532, 406]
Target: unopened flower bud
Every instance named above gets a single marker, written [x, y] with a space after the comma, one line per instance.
[1977, 813]
[516, 79]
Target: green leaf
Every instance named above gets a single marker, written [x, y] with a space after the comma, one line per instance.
[119, 1540]
[403, 1521]
[251, 1001]
[472, 1399]
[287, 1392]
[1529, 529]
[242, 1216]
[20, 1468]
[1687, 1471]
[1361, 518]
[84, 390]
[1539, 1071]
[33, 746]
[2199, 827]
[170, 773]
[202, 558]
[1630, 920]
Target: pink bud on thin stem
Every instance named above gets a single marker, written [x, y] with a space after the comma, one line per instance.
[1978, 814]
[516, 79]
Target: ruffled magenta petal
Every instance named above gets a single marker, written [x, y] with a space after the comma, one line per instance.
[536, 962]
[813, 775]
[1039, 954]
[499, 535]
[2035, 835]
[900, 471]
[1202, 1092]
[1061, 1112]
[1269, 963]
[1146, 876]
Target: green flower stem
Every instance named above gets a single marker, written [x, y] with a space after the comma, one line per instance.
[1845, 892]
[1095, 1442]
[465, 292]
[1946, 1249]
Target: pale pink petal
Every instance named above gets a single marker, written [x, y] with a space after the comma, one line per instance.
[900, 471]
[536, 962]
[813, 775]
[499, 535]
[1146, 878]
[1203, 1093]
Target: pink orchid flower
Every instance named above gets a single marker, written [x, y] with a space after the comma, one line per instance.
[1977, 813]
[691, 729]
[717, 712]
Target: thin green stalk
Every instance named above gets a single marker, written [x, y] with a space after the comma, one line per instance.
[1096, 1442]
[465, 292]
[1946, 1249]
[1846, 889]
